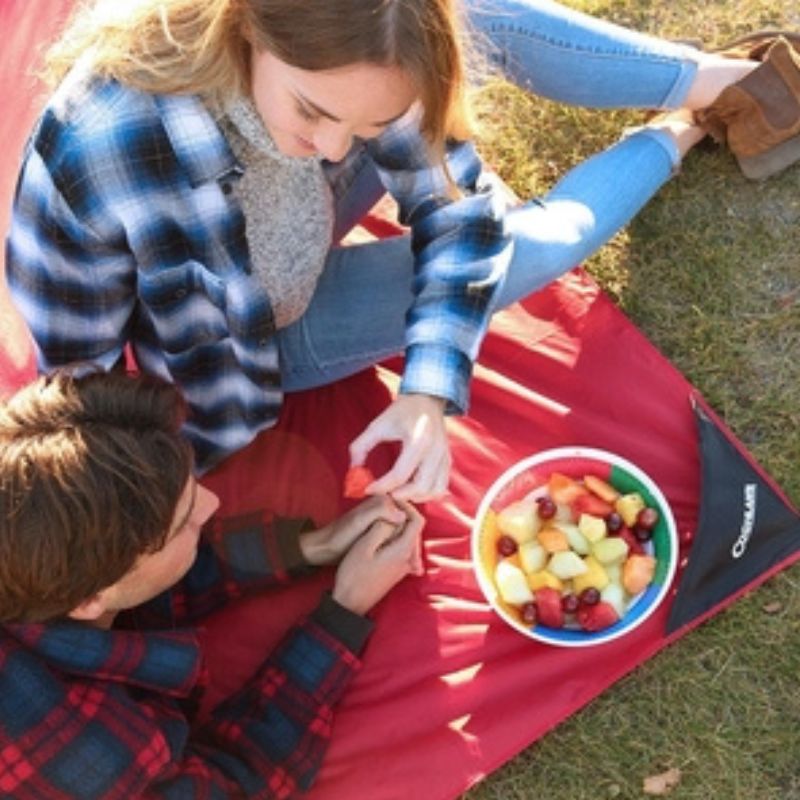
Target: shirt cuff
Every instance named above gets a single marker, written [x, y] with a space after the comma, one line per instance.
[287, 536]
[439, 371]
[351, 629]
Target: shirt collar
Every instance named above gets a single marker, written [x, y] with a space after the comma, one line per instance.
[168, 662]
[198, 142]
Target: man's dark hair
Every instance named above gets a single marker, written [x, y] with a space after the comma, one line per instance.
[91, 471]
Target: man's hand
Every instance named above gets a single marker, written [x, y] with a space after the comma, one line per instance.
[328, 544]
[422, 469]
[382, 557]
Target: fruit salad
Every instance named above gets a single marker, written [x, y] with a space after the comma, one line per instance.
[573, 553]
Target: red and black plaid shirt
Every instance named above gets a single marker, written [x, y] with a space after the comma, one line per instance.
[89, 713]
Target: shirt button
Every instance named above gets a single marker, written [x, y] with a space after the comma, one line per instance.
[227, 187]
[180, 294]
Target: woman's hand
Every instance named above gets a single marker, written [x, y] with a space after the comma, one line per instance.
[328, 544]
[422, 469]
[382, 557]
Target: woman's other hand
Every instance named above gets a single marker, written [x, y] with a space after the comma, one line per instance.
[422, 469]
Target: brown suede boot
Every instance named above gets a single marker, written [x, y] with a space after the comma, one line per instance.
[759, 116]
[754, 45]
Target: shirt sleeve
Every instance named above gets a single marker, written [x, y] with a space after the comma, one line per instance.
[138, 738]
[269, 739]
[461, 253]
[75, 286]
[237, 556]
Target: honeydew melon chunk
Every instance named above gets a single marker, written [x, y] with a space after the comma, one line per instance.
[532, 556]
[512, 584]
[615, 596]
[577, 541]
[567, 565]
[519, 520]
[610, 550]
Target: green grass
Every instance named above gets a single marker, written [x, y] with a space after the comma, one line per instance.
[710, 272]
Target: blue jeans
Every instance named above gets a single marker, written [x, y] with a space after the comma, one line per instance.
[357, 314]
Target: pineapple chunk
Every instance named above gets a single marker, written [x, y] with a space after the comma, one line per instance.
[567, 565]
[512, 584]
[593, 528]
[532, 556]
[628, 507]
[611, 550]
[542, 578]
[519, 520]
[595, 576]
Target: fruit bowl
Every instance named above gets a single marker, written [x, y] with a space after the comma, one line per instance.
[574, 546]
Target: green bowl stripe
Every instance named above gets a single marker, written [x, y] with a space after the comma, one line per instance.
[626, 483]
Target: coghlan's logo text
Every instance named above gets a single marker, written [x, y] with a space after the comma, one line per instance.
[748, 521]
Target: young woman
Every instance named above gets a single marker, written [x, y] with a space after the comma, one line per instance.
[186, 184]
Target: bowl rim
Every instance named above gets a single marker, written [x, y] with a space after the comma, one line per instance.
[487, 585]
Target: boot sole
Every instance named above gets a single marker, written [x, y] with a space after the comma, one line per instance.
[775, 160]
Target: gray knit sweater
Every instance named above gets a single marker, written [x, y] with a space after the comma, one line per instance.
[288, 211]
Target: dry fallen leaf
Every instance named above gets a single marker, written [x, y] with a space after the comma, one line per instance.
[662, 783]
[772, 608]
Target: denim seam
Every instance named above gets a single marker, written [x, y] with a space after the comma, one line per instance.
[686, 66]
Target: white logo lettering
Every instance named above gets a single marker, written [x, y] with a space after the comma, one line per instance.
[748, 521]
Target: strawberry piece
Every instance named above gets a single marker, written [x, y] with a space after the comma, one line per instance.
[590, 504]
[356, 480]
[597, 617]
[563, 489]
[548, 607]
[634, 545]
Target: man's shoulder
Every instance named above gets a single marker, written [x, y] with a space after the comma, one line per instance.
[98, 724]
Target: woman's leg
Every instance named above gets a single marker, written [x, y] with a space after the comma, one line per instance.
[357, 314]
[584, 210]
[565, 55]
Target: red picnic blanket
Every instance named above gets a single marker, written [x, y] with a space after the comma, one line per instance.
[437, 705]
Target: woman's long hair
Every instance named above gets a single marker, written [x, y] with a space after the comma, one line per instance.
[203, 46]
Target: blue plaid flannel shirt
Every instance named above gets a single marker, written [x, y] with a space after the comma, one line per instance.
[125, 230]
[96, 714]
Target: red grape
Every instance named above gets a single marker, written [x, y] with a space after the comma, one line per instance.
[642, 534]
[570, 603]
[647, 518]
[546, 508]
[614, 522]
[528, 612]
[590, 596]
[506, 546]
